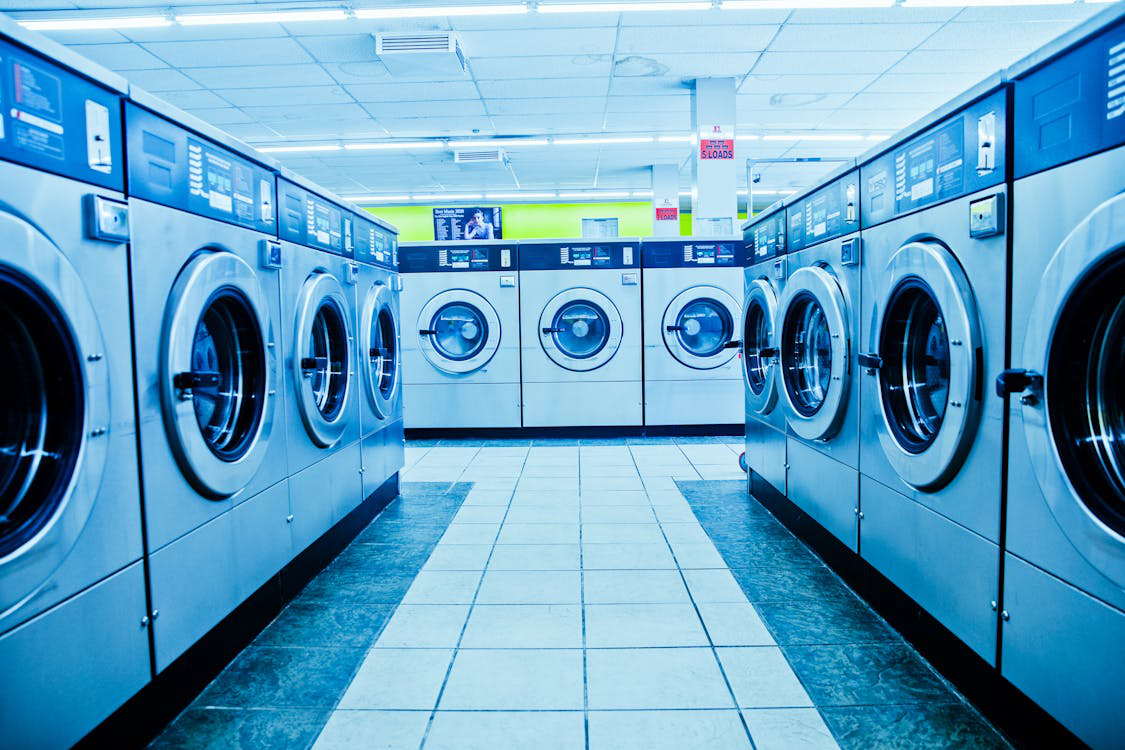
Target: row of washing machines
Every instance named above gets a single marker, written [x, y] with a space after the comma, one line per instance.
[934, 341]
[572, 333]
[200, 379]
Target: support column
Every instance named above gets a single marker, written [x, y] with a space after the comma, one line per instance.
[665, 200]
[714, 203]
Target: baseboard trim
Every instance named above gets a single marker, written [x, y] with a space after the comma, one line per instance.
[530, 433]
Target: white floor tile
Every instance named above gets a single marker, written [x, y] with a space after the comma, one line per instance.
[394, 730]
[529, 680]
[424, 626]
[529, 730]
[762, 678]
[667, 730]
[398, 679]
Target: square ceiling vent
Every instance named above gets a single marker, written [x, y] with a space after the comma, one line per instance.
[421, 53]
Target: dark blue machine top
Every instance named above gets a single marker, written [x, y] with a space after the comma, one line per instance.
[692, 253]
[313, 221]
[57, 121]
[830, 212]
[175, 167]
[579, 254]
[765, 238]
[962, 154]
[1073, 105]
[447, 257]
[374, 244]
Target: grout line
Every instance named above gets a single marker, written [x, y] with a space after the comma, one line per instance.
[582, 611]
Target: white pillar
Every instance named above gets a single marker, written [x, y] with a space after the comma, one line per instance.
[714, 204]
[665, 200]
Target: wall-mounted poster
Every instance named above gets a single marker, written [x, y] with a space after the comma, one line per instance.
[467, 224]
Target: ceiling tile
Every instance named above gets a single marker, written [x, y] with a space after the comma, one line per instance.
[158, 81]
[340, 49]
[671, 102]
[694, 65]
[784, 83]
[120, 57]
[307, 95]
[258, 76]
[413, 92]
[981, 62]
[902, 83]
[824, 63]
[545, 67]
[527, 88]
[262, 52]
[195, 99]
[221, 116]
[546, 105]
[863, 16]
[536, 42]
[648, 40]
[298, 111]
[452, 108]
[978, 36]
[873, 37]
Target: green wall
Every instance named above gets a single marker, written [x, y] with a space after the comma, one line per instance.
[527, 221]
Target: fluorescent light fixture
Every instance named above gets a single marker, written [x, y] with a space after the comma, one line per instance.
[640, 194]
[393, 145]
[297, 149]
[620, 7]
[449, 198]
[596, 141]
[74, 23]
[799, 4]
[593, 195]
[518, 196]
[378, 198]
[812, 137]
[877, 137]
[499, 142]
[506, 9]
[283, 16]
[747, 137]
[675, 138]
[965, 3]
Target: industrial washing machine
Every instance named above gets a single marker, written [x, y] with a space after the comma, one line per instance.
[580, 333]
[318, 297]
[73, 615]
[461, 303]
[1063, 619]
[818, 327]
[935, 270]
[382, 447]
[763, 284]
[206, 306]
[691, 292]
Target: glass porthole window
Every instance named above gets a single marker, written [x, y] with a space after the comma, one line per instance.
[806, 354]
[581, 329]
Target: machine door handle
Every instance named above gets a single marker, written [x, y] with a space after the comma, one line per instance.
[873, 363]
[195, 379]
[553, 330]
[427, 332]
[733, 345]
[1016, 381]
[673, 329]
[308, 364]
[768, 352]
[377, 353]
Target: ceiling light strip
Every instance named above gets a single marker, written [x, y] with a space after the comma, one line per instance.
[284, 16]
[506, 9]
[86, 24]
[622, 7]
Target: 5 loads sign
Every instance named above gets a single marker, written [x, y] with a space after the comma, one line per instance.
[716, 148]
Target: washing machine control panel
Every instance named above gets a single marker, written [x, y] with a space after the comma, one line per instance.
[714, 253]
[960, 155]
[54, 120]
[374, 244]
[765, 239]
[447, 257]
[1072, 106]
[311, 220]
[828, 213]
[579, 254]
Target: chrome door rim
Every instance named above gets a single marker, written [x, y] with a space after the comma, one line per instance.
[613, 335]
[26, 569]
[825, 289]
[319, 288]
[1097, 237]
[762, 291]
[488, 349]
[671, 317]
[377, 299]
[937, 268]
[204, 273]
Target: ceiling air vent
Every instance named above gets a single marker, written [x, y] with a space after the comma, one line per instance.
[421, 53]
[478, 156]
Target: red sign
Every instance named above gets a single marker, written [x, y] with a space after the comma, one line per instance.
[667, 214]
[716, 148]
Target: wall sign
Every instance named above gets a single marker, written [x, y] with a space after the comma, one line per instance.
[667, 214]
[716, 148]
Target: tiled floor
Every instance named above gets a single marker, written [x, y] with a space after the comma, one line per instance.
[596, 594]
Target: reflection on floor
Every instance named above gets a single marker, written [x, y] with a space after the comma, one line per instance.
[581, 594]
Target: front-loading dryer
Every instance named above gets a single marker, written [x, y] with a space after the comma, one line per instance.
[461, 303]
[379, 351]
[763, 285]
[692, 302]
[817, 331]
[318, 299]
[73, 615]
[934, 291]
[580, 333]
[206, 318]
[1063, 622]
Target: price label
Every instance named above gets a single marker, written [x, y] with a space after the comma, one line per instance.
[716, 148]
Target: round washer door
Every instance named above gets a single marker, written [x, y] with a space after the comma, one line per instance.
[1076, 342]
[458, 331]
[56, 409]
[322, 359]
[580, 329]
[813, 352]
[380, 354]
[759, 346]
[927, 330]
[698, 325]
[215, 377]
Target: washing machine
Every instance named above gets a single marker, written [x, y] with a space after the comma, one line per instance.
[323, 386]
[580, 333]
[382, 446]
[461, 303]
[817, 331]
[73, 615]
[691, 290]
[1063, 621]
[934, 295]
[206, 313]
[763, 284]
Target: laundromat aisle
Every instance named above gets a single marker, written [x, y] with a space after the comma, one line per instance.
[599, 594]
